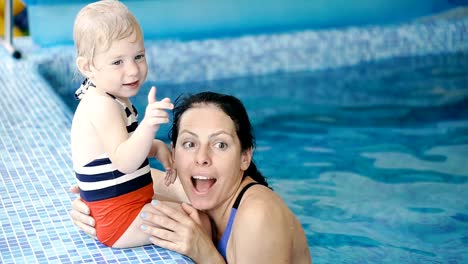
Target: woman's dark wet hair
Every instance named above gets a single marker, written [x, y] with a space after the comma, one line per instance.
[232, 107]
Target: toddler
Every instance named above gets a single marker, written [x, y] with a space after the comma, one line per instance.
[109, 149]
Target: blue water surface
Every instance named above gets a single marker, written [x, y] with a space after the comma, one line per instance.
[372, 158]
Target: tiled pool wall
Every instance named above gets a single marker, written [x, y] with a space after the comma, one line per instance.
[214, 59]
[186, 19]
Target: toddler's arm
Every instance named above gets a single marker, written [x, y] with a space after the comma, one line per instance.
[161, 152]
[128, 152]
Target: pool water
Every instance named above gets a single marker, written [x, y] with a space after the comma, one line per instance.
[372, 158]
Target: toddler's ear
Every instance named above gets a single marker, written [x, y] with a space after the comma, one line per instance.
[83, 66]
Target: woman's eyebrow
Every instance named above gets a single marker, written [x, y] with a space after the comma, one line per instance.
[188, 132]
[221, 132]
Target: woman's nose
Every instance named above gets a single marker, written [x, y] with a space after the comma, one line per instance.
[203, 156]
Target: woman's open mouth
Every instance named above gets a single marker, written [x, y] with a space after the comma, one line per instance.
[202, 184]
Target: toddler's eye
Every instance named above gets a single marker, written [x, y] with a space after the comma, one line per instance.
[139, 57]
[117, 62]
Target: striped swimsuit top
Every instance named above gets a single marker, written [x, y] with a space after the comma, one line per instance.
[99, 179]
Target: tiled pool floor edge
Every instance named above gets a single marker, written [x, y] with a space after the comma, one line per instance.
[36, 172]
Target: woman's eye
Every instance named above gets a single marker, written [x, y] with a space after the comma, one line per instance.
[221, 145]
[139, 57]
[117, 62]
[188, 144]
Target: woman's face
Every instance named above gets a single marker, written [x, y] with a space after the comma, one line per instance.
[208, 156]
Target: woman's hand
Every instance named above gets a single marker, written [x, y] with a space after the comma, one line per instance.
[180, 231]
[80, 214]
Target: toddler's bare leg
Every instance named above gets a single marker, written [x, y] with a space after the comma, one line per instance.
[134, 237]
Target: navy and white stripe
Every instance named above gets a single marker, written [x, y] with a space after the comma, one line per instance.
[99, 179]
[132, 118]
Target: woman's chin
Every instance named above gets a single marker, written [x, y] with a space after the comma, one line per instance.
[200, 204]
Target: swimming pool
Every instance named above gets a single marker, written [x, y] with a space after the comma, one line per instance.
[371, 157]
[362, 131]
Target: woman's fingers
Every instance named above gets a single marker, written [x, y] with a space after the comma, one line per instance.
[200, 218]
[81, 218]
[80, 214]
[176, 230]
[74, 189]
[160, 220]
[160, 233]
[177, 247]
[178, 216]
[83, 222]
[192, 212]
[89, 230]
[79, 206]
[177, 240]
[167, 223]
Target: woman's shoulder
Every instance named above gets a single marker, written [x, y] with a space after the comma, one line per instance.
[263, 215]
[262, 204]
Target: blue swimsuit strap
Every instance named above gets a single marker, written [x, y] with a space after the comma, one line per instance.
[222, 243]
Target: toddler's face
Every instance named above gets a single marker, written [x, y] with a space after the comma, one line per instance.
[121, 69]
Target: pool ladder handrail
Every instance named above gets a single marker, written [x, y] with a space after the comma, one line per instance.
[7, 41]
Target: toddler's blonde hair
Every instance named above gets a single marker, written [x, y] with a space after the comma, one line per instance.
[100, 23]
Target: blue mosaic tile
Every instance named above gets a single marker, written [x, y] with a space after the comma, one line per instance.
[175, 62]
[35, 168]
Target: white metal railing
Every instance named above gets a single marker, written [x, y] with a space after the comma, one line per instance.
[7, 41]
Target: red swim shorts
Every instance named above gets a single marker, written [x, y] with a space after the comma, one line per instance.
[113, 216]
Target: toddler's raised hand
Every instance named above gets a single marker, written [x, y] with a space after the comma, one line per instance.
[156, 114]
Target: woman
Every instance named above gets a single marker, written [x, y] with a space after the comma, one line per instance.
[212, 151]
